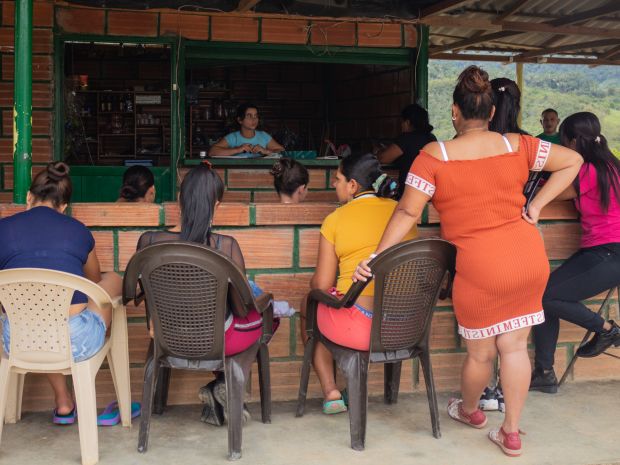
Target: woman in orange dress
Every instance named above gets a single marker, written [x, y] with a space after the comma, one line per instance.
[475, 182]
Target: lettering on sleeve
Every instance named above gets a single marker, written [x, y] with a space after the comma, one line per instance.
[542, 154]
[420, 184]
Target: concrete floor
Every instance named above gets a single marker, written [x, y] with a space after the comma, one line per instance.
[578, 426]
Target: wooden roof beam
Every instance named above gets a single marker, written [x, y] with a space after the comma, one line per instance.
[472, 41]
[512, 10]
[611, 7]
[247, 5]
[515, 59]
[610, 53]
[568, 48]
[442, 7]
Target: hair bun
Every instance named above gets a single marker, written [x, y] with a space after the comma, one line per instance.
[475, 80]
[57, 171]
[280, 166]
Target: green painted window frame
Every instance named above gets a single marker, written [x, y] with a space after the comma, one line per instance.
[177, 92]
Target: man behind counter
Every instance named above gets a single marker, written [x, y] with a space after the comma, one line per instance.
[247, 140]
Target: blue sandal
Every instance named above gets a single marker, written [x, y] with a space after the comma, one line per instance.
[66, 419]
[111, 415]
[331, 407]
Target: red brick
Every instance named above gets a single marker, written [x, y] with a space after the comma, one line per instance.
[227, 214]
[133, 311]
[41, 150]
[284, 31]
[104, 246]
[561, 239]
[446, 371]
[312, 196]
[296, 214]
[85, 20]
[248, 178]
[41, 95]
[237, 196]
[132, 23]
[10, 209]
[559, 210]
[127, 242]
[411, 35]
[41, 40]
[443, 331]
[139, 341]
[332, 33]
[6, 150]
[116, 214]
[379, 35]
[601, 367]
[8, 177]
[6, 94]
[42, 14]
[234, 29]
[6, 197]
[285, 382]
[41, 123]
[308, 247]
[190, 26]
[41, 67]
[289, 287]
[280, 345]
[265, 247]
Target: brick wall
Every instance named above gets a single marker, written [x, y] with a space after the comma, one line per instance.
[284, 268]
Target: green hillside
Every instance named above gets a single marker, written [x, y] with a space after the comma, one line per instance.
[567, 88]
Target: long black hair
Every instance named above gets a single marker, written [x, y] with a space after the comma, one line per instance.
[366, 170]
[418, 117]
[585, 128]
[137, 180]
[507, 99]
[201, 188]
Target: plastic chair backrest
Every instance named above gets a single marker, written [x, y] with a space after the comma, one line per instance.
[37, 304]
[408, 278]
[186, 286]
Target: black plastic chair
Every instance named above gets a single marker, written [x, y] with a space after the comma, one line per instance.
[186, 287]
[408, 281]
[586, 337]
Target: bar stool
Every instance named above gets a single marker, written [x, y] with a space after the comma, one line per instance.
[588, 333]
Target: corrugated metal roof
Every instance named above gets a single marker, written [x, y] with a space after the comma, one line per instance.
[543, 30]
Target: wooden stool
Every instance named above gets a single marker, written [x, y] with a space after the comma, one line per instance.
[588, 333]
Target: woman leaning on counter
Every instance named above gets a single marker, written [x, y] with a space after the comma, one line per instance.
[247, 140]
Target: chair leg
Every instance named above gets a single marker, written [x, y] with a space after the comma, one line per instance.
[118, 360]
[304, 378]
[354, 366]
[5, 370]
[264, 381]
[161, 390]
[425, 360]
[150, 378]
[235, 382]
[573, 359]
[391, 381]
[86, 404]
[13, 412]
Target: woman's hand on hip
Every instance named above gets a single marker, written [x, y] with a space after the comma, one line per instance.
[362, 271]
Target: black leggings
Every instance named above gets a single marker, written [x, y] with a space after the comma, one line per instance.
[585, 274]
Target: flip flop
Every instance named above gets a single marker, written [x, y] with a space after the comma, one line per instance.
[67, 419]
[331, 407]
[111, 415]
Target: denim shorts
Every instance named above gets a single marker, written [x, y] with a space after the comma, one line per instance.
[86, 329]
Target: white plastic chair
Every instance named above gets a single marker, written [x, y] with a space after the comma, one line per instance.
[37, 304]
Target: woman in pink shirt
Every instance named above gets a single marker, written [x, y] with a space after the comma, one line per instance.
[595, 267]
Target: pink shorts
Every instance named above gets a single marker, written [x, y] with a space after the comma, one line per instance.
[348, 327]
[243, 332]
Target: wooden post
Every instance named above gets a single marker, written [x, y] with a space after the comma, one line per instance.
[520, 83]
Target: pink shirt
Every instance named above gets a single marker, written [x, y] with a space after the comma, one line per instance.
[597, 227]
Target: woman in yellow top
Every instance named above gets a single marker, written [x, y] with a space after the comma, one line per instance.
[349, 234]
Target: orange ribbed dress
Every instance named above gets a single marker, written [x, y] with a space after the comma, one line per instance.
[501, 264]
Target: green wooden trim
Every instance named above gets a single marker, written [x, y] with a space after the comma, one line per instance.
[72, 37]
[252, 215]
[203, 52]
[296, 248]
[59, 103]
[421, 81]
[115, 242]
[253, 162]
[292, 335]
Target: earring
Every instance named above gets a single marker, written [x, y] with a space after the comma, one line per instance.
[453, 118]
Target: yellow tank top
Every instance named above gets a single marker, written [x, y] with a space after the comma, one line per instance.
[355, 230]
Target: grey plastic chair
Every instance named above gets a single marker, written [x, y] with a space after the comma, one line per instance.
[408, 281]
[186, 286]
